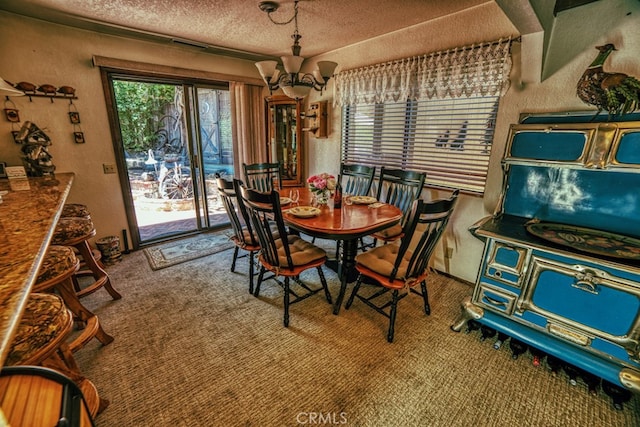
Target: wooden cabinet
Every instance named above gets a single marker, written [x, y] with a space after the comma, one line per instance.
[316, 119]
[285, 138]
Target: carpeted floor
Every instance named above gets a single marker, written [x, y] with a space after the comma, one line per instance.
[193, 348]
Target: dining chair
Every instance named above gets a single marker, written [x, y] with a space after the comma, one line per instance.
[400, 267]
[263, 177]
[356, 180]
[399, 188]
[243, 236]
[282, 253]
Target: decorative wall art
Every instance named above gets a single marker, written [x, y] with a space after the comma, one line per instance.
[12, 115]
[79, 137]
[74, 117]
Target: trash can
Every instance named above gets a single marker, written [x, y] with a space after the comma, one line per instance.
[109, 247]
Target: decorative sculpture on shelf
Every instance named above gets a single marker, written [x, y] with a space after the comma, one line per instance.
[37, 160]
[617, 93]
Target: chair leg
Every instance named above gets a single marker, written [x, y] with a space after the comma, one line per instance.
[425, 297]
[324, 284]
[354, 292]
[256, 293]
[392, 315]
[286, 301]
[101, 277]
[250, 272]
[235, 257]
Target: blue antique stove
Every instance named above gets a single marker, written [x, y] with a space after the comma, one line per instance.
[561, 264]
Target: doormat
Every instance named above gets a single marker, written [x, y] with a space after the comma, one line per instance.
[178, 251]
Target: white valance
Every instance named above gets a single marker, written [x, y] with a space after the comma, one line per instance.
[481, 70]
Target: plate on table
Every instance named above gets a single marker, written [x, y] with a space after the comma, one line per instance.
[363, 200]
[304, 211]
[284, 201]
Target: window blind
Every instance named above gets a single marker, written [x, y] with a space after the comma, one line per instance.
[449, 139]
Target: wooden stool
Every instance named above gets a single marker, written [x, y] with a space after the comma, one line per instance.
[58, 266]
[33, 396]
[76, 232]
[41, 340]
[75, 210]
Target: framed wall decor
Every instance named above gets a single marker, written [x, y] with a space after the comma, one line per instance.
[78, 137]
[74, 117]
[12, 115]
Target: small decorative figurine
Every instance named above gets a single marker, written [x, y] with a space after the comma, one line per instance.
[37, 159]
[616, 93]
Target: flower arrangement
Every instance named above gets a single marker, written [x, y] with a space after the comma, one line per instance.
[321, 185]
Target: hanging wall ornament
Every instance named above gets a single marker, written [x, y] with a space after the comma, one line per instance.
[74, 116]
[10, 111]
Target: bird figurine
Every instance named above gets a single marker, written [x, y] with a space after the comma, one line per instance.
[617, 93]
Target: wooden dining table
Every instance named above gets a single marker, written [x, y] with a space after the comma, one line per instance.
[347, 224]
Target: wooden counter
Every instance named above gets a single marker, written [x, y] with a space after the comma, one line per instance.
[28, 215]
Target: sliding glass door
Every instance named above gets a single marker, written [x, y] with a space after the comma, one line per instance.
[173, 138]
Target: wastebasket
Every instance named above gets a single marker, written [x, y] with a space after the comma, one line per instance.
[109, 247]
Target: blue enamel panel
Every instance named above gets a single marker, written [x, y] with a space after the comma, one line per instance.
[597, 199]
[540, 145]
[507, 256]
[610, 310]
[629, 149]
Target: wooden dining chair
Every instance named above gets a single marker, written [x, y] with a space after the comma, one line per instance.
[282, 253]
[356, 180]
[399, 188]
[400, 268]
[263, 177]
[243, 236]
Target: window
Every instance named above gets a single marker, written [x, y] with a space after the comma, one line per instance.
[449, 139]
[434, 113]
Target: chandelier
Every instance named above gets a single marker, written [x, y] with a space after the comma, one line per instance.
[293, 83]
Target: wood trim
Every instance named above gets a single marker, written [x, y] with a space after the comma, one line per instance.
[166, 70]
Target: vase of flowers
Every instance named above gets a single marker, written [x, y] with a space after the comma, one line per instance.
[321, 186]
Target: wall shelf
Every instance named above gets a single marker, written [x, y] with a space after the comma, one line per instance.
[316, 119]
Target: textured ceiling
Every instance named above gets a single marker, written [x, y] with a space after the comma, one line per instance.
[239, 25]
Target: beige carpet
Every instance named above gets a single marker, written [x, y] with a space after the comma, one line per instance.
[193, 348]
[167, 254]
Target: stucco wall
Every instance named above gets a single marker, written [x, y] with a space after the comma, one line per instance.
[40, 52]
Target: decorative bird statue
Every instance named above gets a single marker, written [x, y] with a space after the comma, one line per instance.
[617, 93]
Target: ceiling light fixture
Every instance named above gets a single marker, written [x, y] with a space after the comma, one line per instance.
[293, 83]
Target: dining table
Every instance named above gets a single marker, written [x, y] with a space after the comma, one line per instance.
[347, 224]
[29, 212]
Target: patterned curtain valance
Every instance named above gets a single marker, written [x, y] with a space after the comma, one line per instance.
[462, 72]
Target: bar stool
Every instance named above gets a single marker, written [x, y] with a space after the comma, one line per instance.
[58, 266]
[47, 398]
[75, 210]
[40, 340]
[76, 232]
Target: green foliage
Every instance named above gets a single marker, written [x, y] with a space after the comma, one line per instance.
[140, 106]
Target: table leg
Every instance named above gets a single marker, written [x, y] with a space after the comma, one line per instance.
[346, 270]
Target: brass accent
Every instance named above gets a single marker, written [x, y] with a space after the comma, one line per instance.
[630, 379]
[468, 311]
[600, 146]
[517, 270]
[482, 297]
[568, 334]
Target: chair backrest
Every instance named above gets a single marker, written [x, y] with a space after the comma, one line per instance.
[433, 216]
[356, 180]
[263, 177]
[266, 217]
[400, 187]
[232, 204]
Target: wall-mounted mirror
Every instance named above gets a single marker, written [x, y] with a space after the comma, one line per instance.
[284, 138]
